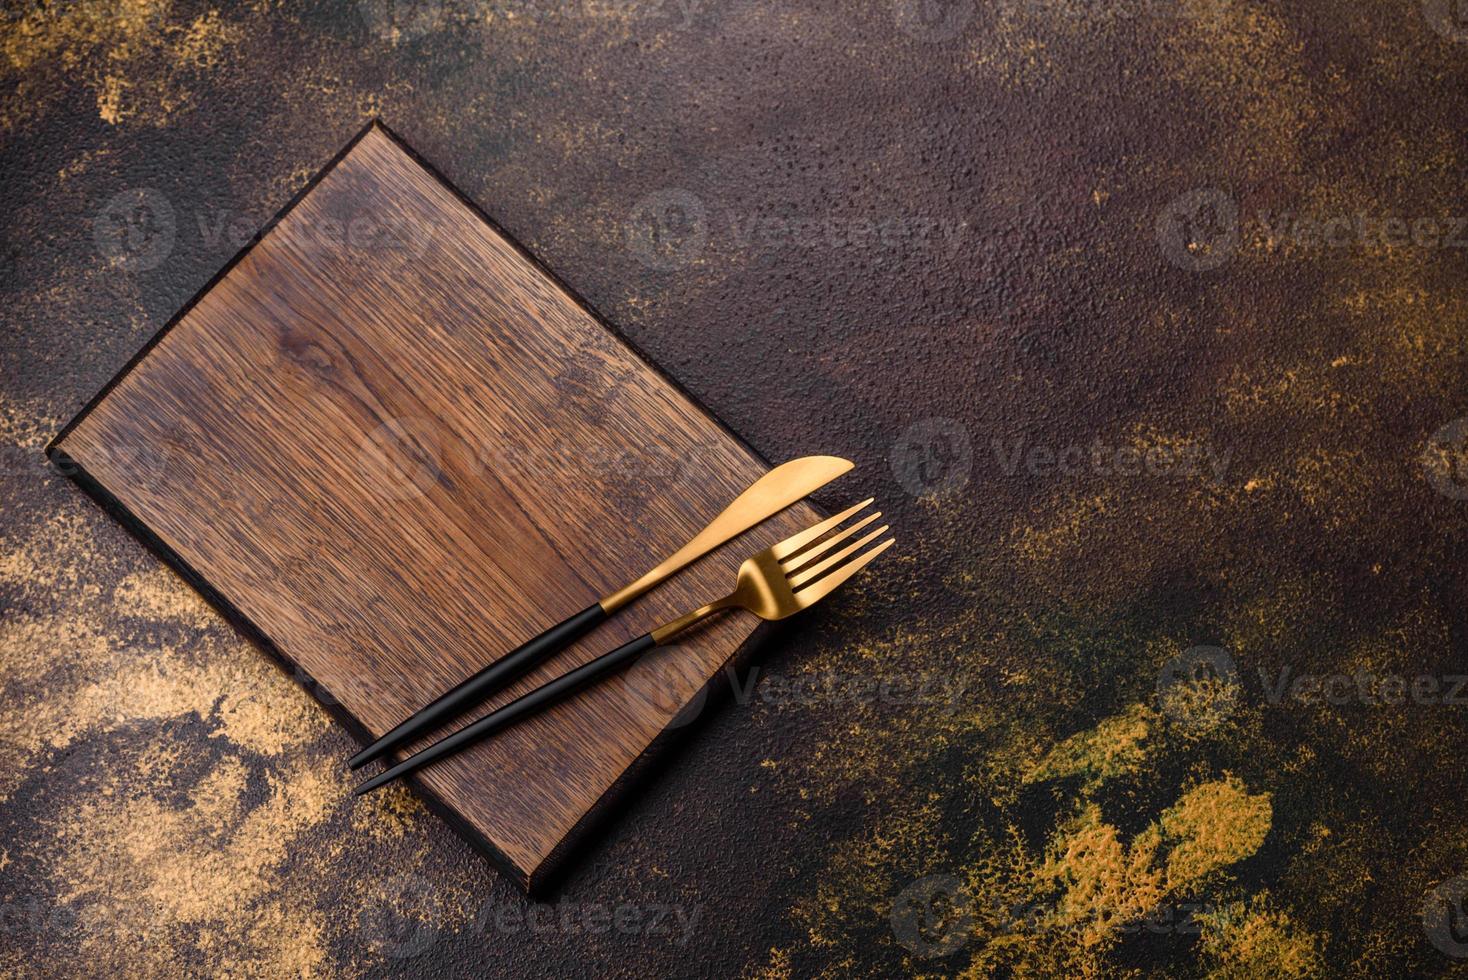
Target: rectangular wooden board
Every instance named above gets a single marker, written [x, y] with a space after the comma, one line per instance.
[391, 446]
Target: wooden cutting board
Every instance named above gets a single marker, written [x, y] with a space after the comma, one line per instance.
[391, 447]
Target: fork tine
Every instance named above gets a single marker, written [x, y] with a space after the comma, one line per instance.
[813, 572]
[795, 542]
[812, 552]
[812, 594]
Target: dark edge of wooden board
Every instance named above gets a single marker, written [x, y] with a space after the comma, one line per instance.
[204, 290]
[534, 880]
[664, 746]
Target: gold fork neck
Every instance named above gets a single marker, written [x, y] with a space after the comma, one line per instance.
[668, 630]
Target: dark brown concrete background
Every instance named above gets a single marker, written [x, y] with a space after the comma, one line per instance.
[927, 239]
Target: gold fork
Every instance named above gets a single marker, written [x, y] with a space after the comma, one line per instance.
[773, 584]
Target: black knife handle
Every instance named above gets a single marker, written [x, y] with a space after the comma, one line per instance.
[482, 685]
[522, 707]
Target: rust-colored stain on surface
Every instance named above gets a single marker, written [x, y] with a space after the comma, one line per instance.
[1147, 322]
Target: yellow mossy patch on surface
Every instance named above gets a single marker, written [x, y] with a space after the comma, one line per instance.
[387, 815]
[1248, 65]
[1304, 391]
[25, 430]
[1214, 825]
[1406, 327]
[1117, 745]
[68, 32]
[203, 43]
[1107, 884]
[1013, 53]
[1065, 530]
[223, 681]
[159, 594]
[138, 56]
[109, 674]
[1259, 941]
[776, 968]
[139, 868]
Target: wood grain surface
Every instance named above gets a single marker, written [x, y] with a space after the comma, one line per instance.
[393, 447]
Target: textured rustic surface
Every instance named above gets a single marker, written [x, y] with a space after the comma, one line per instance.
[171, 800]
[395, 464]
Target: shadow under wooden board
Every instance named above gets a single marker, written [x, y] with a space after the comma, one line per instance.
[391, 447]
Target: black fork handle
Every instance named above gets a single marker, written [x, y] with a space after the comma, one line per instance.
[522, 707]
[482, 685]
